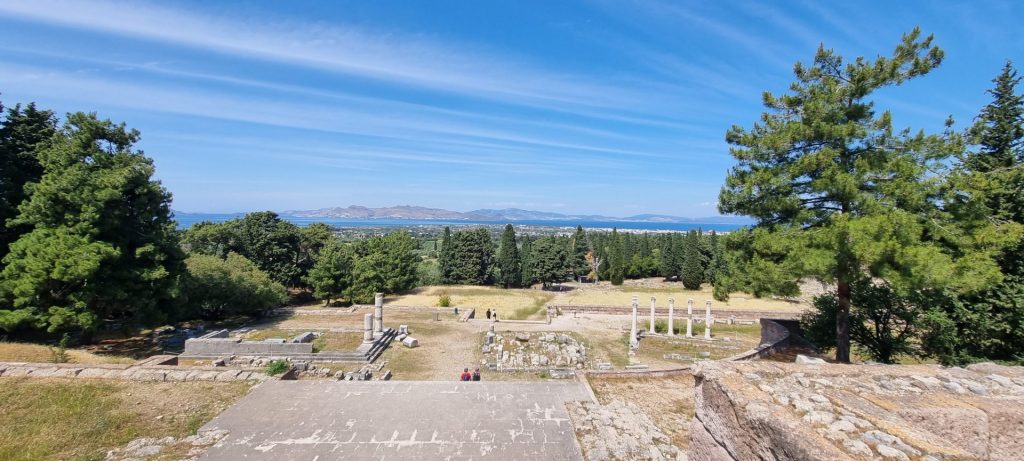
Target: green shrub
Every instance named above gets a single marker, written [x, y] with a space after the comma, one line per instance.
[277, 367]
[661, 326]
[445, 300]
[60, 354]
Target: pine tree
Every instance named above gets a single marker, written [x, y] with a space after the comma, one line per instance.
[692, 272]
[510, 270]
[331, 274]
[103, 246]
[471, 254]
[809, 172]
[23, 134]
[550, 260]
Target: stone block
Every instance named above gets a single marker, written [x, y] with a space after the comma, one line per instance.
[148, 375]
[803, 359]
[410, 342]
[306, 337]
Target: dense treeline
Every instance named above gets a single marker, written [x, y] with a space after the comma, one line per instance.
[920, 235]
[470, 257]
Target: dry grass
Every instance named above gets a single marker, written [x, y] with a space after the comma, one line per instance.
[604, 294]
[741, 338]
[519, 304]
[25, 352]
[46, 419]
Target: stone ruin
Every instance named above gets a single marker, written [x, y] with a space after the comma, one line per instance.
[218, 345]
[786, 411]
[524, 351]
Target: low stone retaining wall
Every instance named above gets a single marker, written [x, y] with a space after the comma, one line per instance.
[719, 314]
[144, 370]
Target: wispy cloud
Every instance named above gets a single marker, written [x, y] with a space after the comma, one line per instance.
[391, 57]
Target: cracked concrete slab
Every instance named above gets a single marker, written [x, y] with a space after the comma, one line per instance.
[309, 420]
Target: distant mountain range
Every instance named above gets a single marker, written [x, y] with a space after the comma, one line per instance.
[504, 215]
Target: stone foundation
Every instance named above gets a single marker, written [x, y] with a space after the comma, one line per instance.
[141, 371]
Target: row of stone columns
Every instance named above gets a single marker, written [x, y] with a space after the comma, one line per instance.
[671, 319]
[373, 324]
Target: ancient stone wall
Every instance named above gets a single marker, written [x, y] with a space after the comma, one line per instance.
[218, 344]
[782, 411]
[142, 371]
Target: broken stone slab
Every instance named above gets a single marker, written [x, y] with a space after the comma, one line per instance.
[562, 373]
[637, 366]
[523, 337]
[306, 337]
[403, 329]
[410, 342]
[807, 360]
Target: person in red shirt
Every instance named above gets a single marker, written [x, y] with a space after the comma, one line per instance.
[466, 376]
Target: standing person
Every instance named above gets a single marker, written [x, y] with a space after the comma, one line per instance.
[488, 314]
[476, 374]
[465, 375]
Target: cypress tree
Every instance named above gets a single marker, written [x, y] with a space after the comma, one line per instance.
[526, 262]
[616, 264]
[580, 248]
[510, 270]
[692, 272]
[444, 258]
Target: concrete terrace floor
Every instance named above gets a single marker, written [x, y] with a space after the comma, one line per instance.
[409, 420]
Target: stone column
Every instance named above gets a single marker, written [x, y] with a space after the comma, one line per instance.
[633, 343]
[689, 318]
[653, 303]
[671, 316]
[378, 314]
[368, 328]
[707, 320]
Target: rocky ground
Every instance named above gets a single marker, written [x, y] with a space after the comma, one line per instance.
[619, 431]
[766, 410]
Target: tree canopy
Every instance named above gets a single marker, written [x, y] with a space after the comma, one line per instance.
[841, 193]
[102, 245]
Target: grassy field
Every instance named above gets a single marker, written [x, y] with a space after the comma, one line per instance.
[47, 419]
[513, 304]
[24, 352]
[605, 294]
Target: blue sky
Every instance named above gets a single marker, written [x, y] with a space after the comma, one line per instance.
[608, 107]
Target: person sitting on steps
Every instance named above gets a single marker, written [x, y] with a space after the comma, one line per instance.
[465, 375]
[476, 374]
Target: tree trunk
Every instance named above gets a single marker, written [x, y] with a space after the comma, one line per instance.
[843, 322]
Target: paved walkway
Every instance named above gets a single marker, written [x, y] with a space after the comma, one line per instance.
[408, 420]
